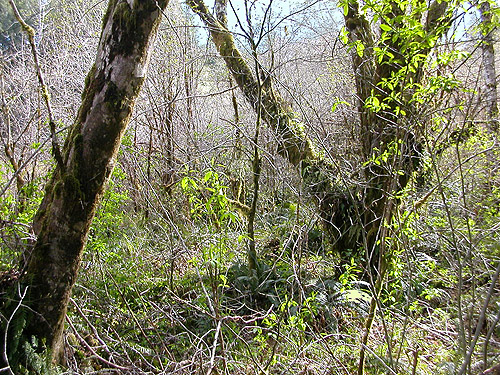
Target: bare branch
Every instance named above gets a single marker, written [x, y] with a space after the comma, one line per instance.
[43, 87]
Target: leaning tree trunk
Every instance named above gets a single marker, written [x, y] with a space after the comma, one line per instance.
[294, 144]
[76, 187]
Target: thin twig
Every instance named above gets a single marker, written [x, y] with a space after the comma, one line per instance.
[214, 348]
[94, 330]
[92, 351]
[45, 92]
[480, 322]
[24, 165]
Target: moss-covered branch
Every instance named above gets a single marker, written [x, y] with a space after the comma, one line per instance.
[56, 151]
[295, 145]
[334, 202]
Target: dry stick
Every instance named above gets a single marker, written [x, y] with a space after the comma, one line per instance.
[184, 98]
[483, 312]
[377, 290]
[94, 330]
[91, 350]
[480, 322]
[45, 92]
[415, 362]
[454, 242]
[163, 345]
[275, 345]
[8, 144]
[214, 348]
[467, 236]
[126, 346]
[256, 169]
[369, 320]
[250, 351]
[331, 353]
[134, 318]
[35, 153]
[390, 370]
[487, 339]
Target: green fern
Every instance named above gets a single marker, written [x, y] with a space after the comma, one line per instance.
[15, 332]
[37, 359]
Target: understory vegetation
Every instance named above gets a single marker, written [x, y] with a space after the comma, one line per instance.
[209, 252]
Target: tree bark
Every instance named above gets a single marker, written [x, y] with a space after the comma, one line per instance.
[335, 203]
[75, 188]
[488, 69]
[294, 145]
[390, 148]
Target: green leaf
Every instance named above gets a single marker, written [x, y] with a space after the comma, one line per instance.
[354, 294]
[337, 102]
[184, 183]
[385, 27]
[207, 176]
[344, 36]
[360, 48]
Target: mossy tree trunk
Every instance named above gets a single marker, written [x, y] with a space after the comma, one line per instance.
[75, 188]
[388, 127]
[295, 146]
[387, 72]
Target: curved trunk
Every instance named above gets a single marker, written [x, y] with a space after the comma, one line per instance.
[390, 148]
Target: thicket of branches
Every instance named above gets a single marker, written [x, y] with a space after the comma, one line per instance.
[303, 188]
